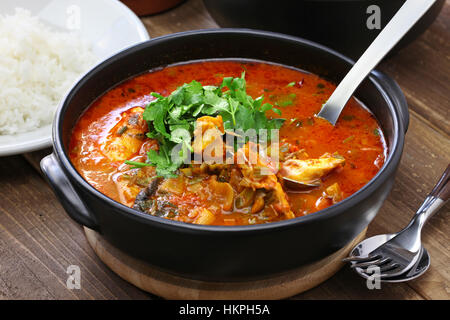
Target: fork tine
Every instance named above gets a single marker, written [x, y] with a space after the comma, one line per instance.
[398, 269]
[386, 270]
[388, 267]
[413, 269]
[359, 259]
[377, 262]
[385, 267]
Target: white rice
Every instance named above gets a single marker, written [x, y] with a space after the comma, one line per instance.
[37, 66]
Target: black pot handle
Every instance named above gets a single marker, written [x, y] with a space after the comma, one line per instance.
[66, 193]
[397, 96]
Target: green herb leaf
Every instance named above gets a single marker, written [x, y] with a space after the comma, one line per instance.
[348, 139]
[181, 109]
[348, 117]
[137, 165]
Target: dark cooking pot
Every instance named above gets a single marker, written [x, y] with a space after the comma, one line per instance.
[224, 252]
[346, 26]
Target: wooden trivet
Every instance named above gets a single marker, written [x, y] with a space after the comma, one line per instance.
[171, 286]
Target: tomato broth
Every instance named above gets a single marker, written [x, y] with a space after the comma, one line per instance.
[107, 134]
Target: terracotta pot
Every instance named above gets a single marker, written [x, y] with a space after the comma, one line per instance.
[146, 7]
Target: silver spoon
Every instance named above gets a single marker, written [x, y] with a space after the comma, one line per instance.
[404, 248]
[365, 247]
[294, 185]
[403, 20]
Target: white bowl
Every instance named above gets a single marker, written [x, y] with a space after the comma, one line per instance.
[108, 26]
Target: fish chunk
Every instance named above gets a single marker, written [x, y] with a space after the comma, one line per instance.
[126, 137]
[280, 202]
[207, 129]
[311, 170]
[334, 193]
[204, 216]
[257, 170]
[259, 174]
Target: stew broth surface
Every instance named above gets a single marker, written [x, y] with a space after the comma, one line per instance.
[96, 153]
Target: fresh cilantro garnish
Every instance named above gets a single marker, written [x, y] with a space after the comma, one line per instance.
[182, 107]
[283, 100]
[136, 164]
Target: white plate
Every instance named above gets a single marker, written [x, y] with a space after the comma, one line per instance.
[107, 25]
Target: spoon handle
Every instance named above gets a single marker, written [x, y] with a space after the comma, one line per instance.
[436, 199]
[403, 20]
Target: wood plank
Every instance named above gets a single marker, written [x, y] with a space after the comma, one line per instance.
[38, 240]
[15, 275]
[190, 15]
[422, 70]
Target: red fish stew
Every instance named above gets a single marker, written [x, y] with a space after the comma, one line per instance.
[122, 144]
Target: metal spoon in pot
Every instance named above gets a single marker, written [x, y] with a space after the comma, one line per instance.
[403, 20]
[294, 185]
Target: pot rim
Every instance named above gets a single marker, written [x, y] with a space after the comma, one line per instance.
[342, 206]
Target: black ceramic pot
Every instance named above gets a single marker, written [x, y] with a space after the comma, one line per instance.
[338, 24]
[224, 252]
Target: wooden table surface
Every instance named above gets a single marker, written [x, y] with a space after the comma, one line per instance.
[38, 241]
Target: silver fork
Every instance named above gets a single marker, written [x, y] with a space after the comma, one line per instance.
[402, 251]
